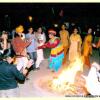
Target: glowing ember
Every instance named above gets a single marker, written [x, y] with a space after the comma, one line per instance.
[68, 75]
[69, 82]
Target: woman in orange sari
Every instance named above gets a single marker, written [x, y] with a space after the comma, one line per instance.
[64, 35]
[87, 48]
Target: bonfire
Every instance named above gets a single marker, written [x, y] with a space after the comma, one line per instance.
[70, 81]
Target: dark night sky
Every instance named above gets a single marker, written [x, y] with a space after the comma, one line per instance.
[75, 8]
[18, 12]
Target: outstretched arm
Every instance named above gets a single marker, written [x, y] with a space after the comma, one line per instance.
[50, 45]
[96, 45]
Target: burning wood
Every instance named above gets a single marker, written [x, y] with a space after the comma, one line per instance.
[69, 82]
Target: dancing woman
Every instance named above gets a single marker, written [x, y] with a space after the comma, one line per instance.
[57, 54]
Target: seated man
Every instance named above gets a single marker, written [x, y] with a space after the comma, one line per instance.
[9, 74]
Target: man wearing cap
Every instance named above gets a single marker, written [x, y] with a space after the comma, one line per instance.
[57, 55]
[19, 45]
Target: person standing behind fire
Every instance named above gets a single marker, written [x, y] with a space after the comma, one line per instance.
[41, 39]
[75, 45]
[87, 47]
[19, 46]
[64, 35]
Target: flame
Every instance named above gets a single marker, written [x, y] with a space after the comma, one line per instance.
[67, 76]
[69, 82]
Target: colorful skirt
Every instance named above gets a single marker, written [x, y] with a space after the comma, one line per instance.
[56, 62]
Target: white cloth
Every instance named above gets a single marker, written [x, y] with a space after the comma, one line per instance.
[21, 63]
[40, 56]
[10, 93]
[1, 51]
[92, 83]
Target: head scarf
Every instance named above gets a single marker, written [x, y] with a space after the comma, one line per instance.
[51, 31]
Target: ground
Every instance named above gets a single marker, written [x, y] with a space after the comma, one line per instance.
[28, 88]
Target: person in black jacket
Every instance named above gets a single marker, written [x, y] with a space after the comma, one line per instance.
[9, 75]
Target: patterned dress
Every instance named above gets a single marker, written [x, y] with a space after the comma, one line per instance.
[56, 55]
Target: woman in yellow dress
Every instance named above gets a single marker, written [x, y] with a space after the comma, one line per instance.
[75, 45]
[64, 36]
[87, 48]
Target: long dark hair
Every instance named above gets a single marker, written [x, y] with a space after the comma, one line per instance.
[64, 25]
[75, 28]
[41, 28]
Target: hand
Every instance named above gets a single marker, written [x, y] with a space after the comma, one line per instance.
[42, 47]
[25, 72]
[93, 45]
[38, 48]
[30, 39]
[96, 65]
[30, 63]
